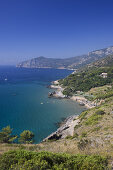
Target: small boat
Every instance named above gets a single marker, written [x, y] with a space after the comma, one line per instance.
[41, 103]
[5, 79]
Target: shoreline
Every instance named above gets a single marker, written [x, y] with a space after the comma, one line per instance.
[67, 126]
[58, 93]
[66, 129]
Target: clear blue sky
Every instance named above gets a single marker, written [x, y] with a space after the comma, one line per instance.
[53, 28]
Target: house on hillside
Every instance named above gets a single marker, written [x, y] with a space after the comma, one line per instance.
[104, 75]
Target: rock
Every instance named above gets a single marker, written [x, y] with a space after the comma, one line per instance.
[66, 129]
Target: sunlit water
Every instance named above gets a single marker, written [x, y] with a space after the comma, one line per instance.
[24, 102]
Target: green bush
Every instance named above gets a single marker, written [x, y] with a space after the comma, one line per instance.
[100, 112]
[6, 135]
[93, 119]
[83, 115]
[84, 134]
[72, 137]
[21, 159]
[84, 80]
[82, 143]
[26, 137]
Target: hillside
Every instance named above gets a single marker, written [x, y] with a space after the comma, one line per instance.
[92, 137]
[105, 62]
[67, 63]
[89, 77]
[91, 145]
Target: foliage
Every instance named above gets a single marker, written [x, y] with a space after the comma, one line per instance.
[83, 115]
[107, 94]
[72, 137]
[21, 159]
[67, 92]
[84, 134]
[6, 135]
[26, 137]
[96, 129]
[82, 144]
[86, 79]
[100, 112]
[93, 119]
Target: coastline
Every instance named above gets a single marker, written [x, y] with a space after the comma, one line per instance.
[67, 126]
[58, 93]
[66, 129]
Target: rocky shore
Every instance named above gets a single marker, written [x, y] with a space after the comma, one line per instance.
[66, 129]
[58, 93]
[84, 102]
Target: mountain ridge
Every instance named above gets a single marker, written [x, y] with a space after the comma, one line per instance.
[67, 63]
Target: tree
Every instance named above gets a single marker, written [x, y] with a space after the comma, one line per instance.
[26, 137]
[6, 135]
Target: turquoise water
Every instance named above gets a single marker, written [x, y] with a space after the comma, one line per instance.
[24, 102]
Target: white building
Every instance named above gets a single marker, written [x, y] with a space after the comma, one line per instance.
[104, 75]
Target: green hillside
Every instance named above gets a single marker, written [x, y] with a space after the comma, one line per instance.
[89, 77]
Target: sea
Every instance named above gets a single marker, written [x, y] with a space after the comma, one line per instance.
[24, 102]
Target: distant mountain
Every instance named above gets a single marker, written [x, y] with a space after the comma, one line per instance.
[67, 63]
[104, 62]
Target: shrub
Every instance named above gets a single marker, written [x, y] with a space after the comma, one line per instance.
[83, 115]
[21, 159]
[26, 137]
[72, 137]
[6, 135]
[96, 129]
[84, 134]
[83, 143]
[92, 120]
[100, 112]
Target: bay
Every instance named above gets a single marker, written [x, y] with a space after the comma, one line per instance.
[24, 102]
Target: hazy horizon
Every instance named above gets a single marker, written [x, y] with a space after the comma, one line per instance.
[53, 29]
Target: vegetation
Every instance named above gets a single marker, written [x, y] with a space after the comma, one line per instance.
[87, 79]
[93, 135]
[26, 137]
[83, 115]
[83, 143]
[6, 136]
[100, 112]
[22, 159]
[84, 134]
[90, 77]
[93, 119]
[105, 94]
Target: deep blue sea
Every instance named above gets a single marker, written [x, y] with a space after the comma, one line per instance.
[22, 92]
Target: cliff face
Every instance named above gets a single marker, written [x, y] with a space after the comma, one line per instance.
[68, 63]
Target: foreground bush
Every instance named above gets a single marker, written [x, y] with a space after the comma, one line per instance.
[22, 159]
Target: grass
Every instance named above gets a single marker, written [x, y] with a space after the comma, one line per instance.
[96, 129]
[83, 115]
[106, 128]
[93, 119]
[84, 134]
[72, 137]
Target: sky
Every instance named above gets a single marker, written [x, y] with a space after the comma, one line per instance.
[53, 28]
